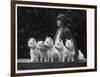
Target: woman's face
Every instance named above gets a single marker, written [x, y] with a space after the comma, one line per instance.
[59, 22]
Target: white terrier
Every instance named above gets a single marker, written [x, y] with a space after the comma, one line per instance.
[62, 50]
[33, 49]
[40, 49]
[48, 43]
[71, 50]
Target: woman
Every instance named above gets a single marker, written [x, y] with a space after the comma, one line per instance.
[63, 32]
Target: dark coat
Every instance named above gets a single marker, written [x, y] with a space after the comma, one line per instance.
[65, 34]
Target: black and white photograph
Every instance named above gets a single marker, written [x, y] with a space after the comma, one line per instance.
[48, 36]
[53, 38]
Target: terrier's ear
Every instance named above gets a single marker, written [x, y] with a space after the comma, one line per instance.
[49, 37]
[71, 40]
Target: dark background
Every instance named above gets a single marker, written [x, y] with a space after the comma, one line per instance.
[41, 22]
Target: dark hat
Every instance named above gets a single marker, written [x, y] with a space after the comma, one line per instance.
[64, 18]
[61, 17]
